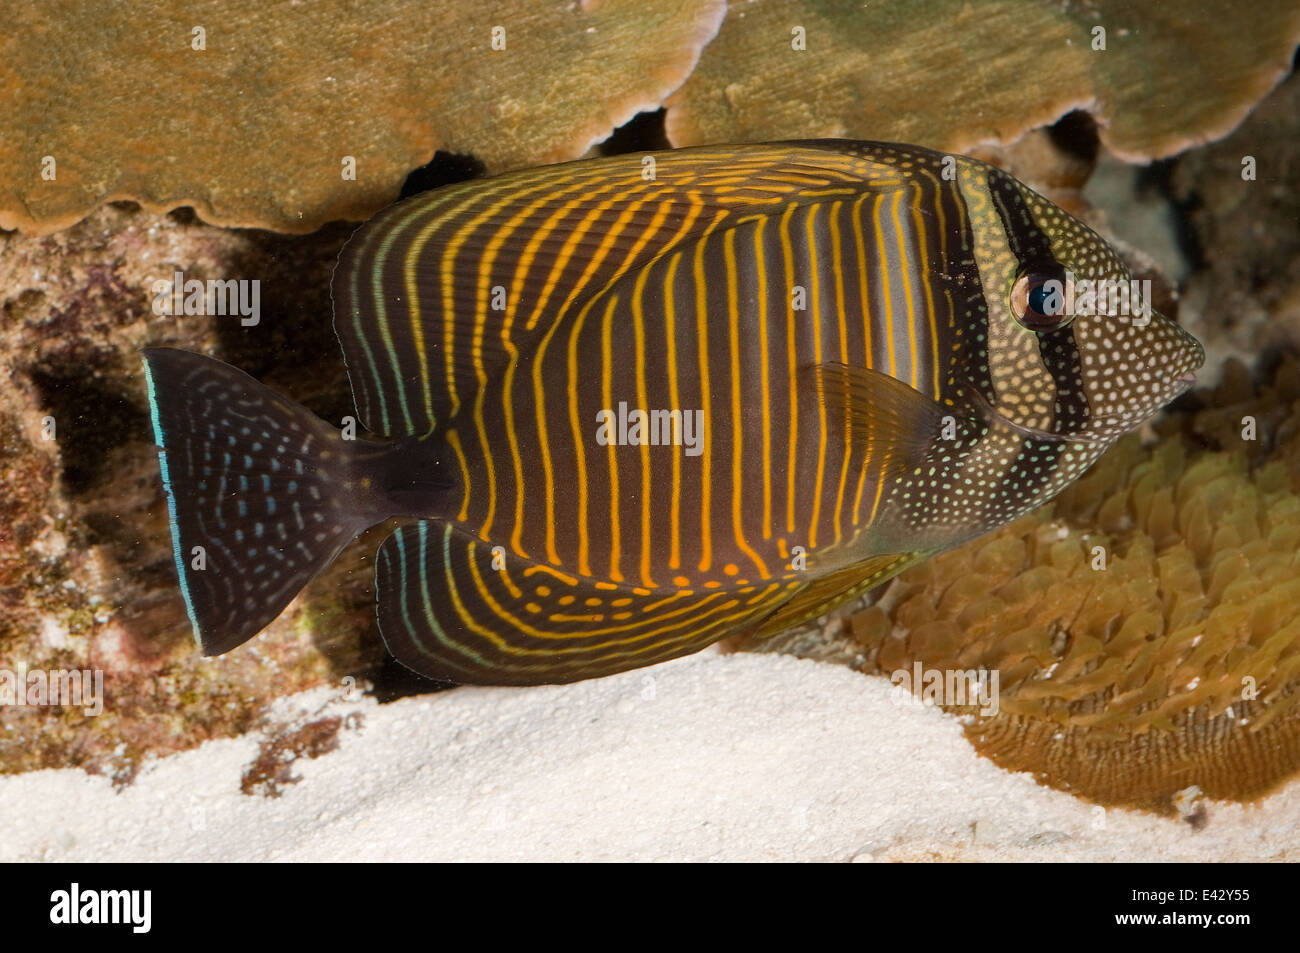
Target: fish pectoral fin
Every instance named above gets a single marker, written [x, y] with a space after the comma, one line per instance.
[895, 422]
[821, 595]
[456, 608]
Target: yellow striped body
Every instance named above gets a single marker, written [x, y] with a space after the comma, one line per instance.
[520, 322]
[705, 288]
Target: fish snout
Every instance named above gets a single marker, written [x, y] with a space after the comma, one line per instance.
[1176, 354]
[1192, 357]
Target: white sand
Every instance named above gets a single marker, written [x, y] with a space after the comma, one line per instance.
[714, 757]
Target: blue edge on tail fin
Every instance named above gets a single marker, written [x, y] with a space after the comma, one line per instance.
[266, 492]
[177, 556]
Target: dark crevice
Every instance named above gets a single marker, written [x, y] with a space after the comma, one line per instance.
[184, 215]
[443, 169]
[644, 132]
[1076, 134]
[393, 680]
[1157, 180]
[91, 419]
[292, 348]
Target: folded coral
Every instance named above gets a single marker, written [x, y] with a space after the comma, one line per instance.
[1145, 627]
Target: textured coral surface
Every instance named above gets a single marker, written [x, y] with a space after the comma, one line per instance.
[961, 74]
[1146, 626]
[253, 128]
[249, 121]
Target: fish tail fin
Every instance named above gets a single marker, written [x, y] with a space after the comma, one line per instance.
[262, 495]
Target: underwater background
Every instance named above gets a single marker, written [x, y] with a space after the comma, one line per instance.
[217, 144]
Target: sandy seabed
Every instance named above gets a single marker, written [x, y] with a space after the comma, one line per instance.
[713, 757]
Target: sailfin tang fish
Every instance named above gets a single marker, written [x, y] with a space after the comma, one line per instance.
[629, 407]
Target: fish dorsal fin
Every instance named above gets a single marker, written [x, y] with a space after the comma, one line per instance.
[435, 295]
[820, 596]
[453, 608]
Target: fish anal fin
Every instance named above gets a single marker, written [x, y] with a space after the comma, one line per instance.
[456, 608]
[823, 594]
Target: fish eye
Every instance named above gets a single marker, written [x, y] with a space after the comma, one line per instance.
[1040, 298]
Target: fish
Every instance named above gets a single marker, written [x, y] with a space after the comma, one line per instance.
[626, 406]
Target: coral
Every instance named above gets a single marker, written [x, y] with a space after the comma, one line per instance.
[252, 129]
[1145, 626]
[959, 74]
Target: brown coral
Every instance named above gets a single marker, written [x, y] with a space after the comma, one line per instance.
[253, 128]
[957, 74]
[1146, 627]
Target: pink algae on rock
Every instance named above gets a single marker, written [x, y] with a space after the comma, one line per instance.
[86, 574]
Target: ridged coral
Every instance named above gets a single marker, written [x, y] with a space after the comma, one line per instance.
[1175, 665]
[250, 121]
[954, 74]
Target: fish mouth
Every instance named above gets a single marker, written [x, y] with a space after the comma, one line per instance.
[1197, 356]
[1182, 385]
